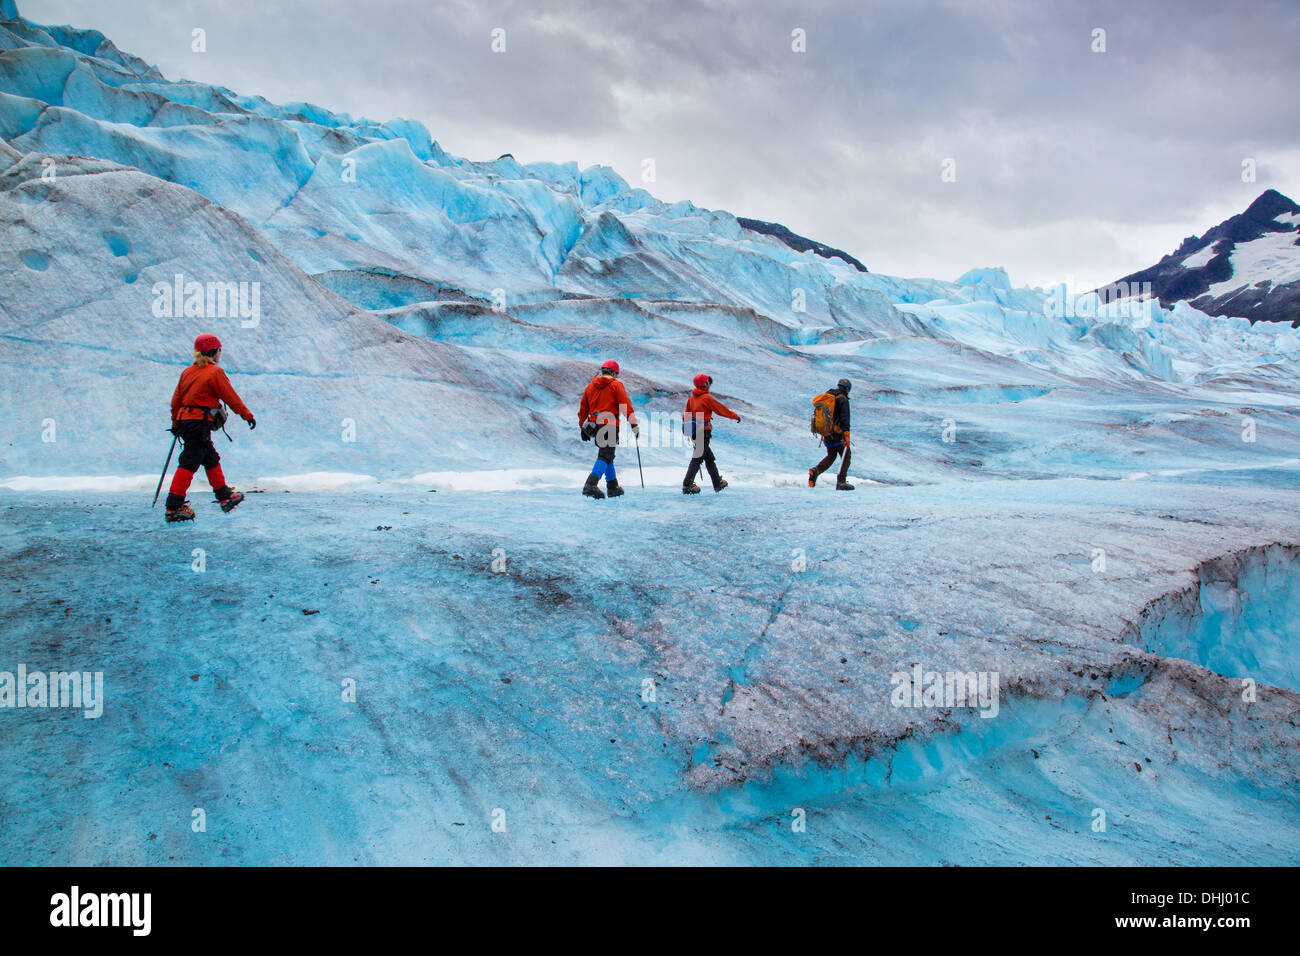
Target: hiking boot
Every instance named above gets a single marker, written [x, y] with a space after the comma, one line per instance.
[812, 477]
[613, 488]
[722, 483]
[592, 488]
[843, 486]
[228, 504]
[691, 489]
[183, 513]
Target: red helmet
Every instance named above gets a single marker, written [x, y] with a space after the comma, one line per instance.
[703, 381]
[206, 343]
[610, 366]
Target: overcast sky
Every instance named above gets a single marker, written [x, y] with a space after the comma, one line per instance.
[1068, 162]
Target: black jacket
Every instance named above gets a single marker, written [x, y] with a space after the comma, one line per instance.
[841, 416]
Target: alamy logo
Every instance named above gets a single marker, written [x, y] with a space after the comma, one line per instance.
[208, 300]
[102, 909]
[946, 689]
[80, 690]
[1118, 300]
[659, 429]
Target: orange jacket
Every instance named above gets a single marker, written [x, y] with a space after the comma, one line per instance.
[205, 386]
[605, 396]
[701, 403]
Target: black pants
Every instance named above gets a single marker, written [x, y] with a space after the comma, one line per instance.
[606, 441]
[705, 458]
[197, 451]
[832, 451]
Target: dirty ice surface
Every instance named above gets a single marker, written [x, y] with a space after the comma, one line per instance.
[654, 679]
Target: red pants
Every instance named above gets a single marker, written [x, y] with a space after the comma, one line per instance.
[198, 451]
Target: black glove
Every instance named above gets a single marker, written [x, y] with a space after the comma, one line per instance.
[737, 419]
[252, 423]
[586, 435]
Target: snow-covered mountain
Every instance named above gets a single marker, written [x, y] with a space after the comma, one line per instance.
[1248, 265]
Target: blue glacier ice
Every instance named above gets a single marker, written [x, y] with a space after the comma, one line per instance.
[524, 689]
[1096, 502]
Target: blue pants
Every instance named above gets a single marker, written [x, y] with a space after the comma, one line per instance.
[604, 466]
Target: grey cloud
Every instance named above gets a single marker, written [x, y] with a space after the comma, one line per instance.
[843, 142]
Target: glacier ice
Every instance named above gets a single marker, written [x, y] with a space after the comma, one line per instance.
[426, 323]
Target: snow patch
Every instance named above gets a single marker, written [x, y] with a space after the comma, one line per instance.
[1273, 257]
[1201, 258]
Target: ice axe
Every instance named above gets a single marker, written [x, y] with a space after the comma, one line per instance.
[158, 490]
[637, 443]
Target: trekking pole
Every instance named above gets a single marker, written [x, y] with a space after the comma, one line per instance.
[638, 458]
[158, 490]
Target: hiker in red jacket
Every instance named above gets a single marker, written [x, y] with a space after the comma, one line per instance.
[697, 423]
[196, 413]
[604, 403]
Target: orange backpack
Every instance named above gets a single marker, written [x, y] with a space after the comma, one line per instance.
[823, 416]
